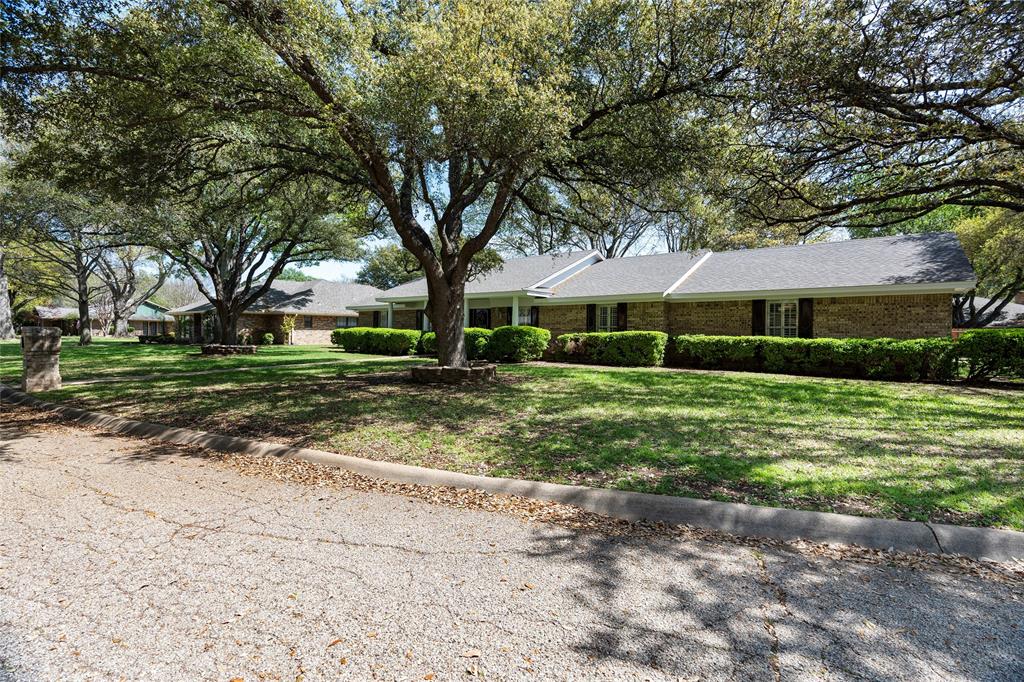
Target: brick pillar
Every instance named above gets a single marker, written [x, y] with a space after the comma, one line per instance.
[40, 352]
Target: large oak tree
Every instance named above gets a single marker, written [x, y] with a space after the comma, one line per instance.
[444, 114]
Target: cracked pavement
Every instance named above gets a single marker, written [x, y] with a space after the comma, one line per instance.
[122, 559]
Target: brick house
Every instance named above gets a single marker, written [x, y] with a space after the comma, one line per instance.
[900, 287]
[319, 307]
[148, 319]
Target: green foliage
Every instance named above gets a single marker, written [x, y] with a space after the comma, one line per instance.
[376, 341]
[476, 342]
[517, 344]
[295, 275]
[389, 266]
[267, 339]
[624, 349]
[888, 359]
[988, 353]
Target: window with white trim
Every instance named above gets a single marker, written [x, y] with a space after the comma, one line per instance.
[783, 319]
[307, 321]
[525, 315]
[607, 318]
[344, 322]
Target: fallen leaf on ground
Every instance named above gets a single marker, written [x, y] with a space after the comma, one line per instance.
[471, 653]
[337, 641]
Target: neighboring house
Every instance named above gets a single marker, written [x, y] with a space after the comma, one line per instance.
[319, 307]
[1010, 316]
[66, 319]
[898, 287]
[148, 319]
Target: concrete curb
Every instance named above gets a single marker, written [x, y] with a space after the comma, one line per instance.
[730, 517]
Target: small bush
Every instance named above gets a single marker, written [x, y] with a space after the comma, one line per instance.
[988, 353]
[893, 359]
[376, 340]
[476, 342]
[267, 339]
[624, 349]
[517, 344]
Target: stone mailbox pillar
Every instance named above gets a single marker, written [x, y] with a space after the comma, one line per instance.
[40, 350]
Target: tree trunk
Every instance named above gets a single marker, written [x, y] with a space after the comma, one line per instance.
[227, 326]
[6, 317]
[120, 327]
[84, 322]
[446, 316]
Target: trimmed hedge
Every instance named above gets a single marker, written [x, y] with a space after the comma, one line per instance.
[476, 342]
[987, 353]
[894, 359]
[517, 344]
[376, 341]
[624, 349]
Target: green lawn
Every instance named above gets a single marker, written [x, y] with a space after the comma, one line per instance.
[946, 453]
[109, 357]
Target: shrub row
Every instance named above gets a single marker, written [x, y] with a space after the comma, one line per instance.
[986, 353]
[895, 359]
[625, 349]
[476, 342]
[156, 338]
[376, 341]
[504, 344]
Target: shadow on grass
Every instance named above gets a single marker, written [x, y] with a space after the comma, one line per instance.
[893, 449]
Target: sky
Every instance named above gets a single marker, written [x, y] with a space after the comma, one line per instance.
[333, 270]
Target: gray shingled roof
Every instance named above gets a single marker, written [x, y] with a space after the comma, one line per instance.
[315, 297]
[48, 312]
[512, 275]
[931, 258]
[635, 275]
[54, 312]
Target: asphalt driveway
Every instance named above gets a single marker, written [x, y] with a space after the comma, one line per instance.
[121, 559]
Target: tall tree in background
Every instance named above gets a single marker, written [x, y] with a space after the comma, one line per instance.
[389, 266]
[238, 237]
[120, 269]
[65, 236]
[443, 113]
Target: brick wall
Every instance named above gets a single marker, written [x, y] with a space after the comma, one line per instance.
[500, 317]
[648, 316]
[404, 319]
[899, 317]
[729, 318]
[563, 319]
[319, 335]
[366, 318]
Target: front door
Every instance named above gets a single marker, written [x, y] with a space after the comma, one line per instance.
[480, 317]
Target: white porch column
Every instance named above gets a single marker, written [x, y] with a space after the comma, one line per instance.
[391, 316]
[515, 312]
[465, 312]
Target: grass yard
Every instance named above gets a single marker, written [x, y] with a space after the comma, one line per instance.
[946, 453]
[110, 357]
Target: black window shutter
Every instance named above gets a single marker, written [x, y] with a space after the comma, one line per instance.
[419, 319]
[805, 322]
[757, 314]
[620, 316]
[535, 316]
[376, 318]
[591, 317]
[508, 316]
